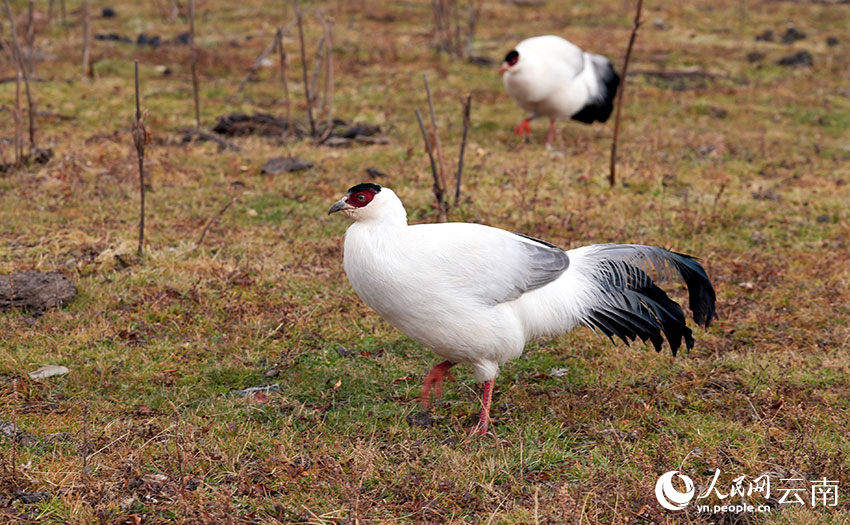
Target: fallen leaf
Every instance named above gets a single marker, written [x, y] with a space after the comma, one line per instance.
[402, 379]
[337, 384]
[261, 397]
[48, 371]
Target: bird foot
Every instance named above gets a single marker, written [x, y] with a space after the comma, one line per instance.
[434, 380]
[524, 128]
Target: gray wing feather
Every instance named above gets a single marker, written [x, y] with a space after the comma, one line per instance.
[534, 264]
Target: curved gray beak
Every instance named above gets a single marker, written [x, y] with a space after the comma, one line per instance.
[338, 205]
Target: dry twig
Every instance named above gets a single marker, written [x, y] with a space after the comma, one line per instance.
[194, 61]
[298, 18]
[16, 49]
[87, 68]
[328, 98]
[612, 173]
[467, 106]
[283, 80]
[438, 190]
[140, 138]
[213, 219]
[437, 149]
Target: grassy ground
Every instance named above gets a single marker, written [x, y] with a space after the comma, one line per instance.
[747, 169]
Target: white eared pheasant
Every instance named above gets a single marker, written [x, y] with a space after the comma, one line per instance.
[551, 77]
[476, 295]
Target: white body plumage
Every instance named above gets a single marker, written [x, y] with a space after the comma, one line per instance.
[474, 294]
[552, 77]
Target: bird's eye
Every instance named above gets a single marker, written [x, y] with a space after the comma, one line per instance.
[512, 57]
[361, 198]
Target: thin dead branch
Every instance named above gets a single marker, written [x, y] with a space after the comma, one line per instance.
[621, 94]
[437, 149]
[467, 106]
[20, 64]
[19, 129]
[328, 98]
[283, 80]
[30, 36]
[314, 77]
[212, 219]
[140, 139]
[278, 36]
[194, 64]
[298, 18]
[442, 211]
[87, 69]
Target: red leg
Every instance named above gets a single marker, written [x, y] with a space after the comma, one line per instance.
[524, 127]
[435, 379]
[551, 132]
[484, 417]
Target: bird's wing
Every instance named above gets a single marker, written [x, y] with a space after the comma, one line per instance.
[620, 298]
[484, 264]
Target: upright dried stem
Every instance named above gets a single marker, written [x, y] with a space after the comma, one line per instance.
[87, 38]
[194, 58]
[298, 18]
[442, 207]
[329, 79]
[467, 106]
[174, 11]
[437, 149]
[20, 64]
[317, 66]
[621, 94]
[140, 138]
[31, 36]
[19, 117]
[212, 219]
[283, 80]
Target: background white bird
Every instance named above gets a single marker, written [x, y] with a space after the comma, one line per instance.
[476, 295]
[551, 77]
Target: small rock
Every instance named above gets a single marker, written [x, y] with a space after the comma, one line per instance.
[658, 22]
[748, 285]
[800, 59]
[374, 172]
[768, 194]
[107, 12]
[717, 112]
[420, 419]
[148, 40]
[755, 56]
[337, 142]
[127, 503]
[31, 497]
[791, 35]
[481, 61]
[344, 352]
[182, 39]
[48, 371]
[8, 429]
[272, 372]
[824, 219]
[765, 36]
[245, 392]
[285, 165]
[35, 290]
[831, 41]
[758, 237]
[558, 372]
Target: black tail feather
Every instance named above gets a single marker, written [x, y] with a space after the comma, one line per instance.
[599, 109]
[634, 307]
